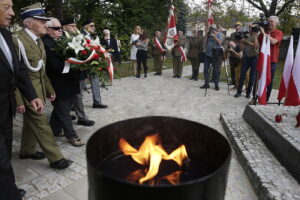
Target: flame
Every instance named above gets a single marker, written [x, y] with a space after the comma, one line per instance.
[151, 154]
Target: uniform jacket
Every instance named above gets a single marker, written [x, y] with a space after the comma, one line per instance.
[40, 81]
[155, 51]
[65, 85]
[181, 42]
[195, 47]
[12, 79]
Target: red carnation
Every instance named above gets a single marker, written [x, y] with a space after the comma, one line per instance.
[84, 52]
[96, 56]
[88, 41]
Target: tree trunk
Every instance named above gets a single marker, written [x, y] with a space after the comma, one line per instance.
[58, 9]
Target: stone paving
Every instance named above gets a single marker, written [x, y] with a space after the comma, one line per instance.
[268, 177]
[128, 98]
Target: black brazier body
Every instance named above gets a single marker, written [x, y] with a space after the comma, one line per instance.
[203, 144]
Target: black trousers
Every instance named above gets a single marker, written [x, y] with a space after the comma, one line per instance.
[7, 179]
[60, 118]
[141, 57]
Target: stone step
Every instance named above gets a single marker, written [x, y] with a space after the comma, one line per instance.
[269, 179]
[283, 139]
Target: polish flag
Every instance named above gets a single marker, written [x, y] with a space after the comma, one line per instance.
[287, 70]
[293, 91]
[210, 18]
[172, 31]
[264, 71]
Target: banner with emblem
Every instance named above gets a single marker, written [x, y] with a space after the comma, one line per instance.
[172, 31]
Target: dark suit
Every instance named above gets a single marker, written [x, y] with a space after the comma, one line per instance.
[112, 46]
[66, 87]
[9, 80]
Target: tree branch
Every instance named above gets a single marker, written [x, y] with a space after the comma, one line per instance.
[259, 6]
[284, 7]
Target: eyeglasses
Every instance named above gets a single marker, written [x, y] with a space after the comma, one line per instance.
[92, 25]
[57, 28]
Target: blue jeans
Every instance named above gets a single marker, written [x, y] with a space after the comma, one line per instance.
[248, 62]
[216, 63]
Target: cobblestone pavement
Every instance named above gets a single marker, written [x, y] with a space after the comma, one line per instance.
[128, 98]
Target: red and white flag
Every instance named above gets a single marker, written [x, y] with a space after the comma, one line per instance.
[172, 31]
[210, 18]
[293, 91]
[264, 71]
[286, 71]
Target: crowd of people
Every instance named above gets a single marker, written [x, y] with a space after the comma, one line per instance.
[32, 71]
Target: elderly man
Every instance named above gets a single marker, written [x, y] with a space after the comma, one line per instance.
[12, 74]
[158, 52]
[89, 31]
[275, 36]
[66, 85]
[70, 30]
[110, 44]
[179, 49]
[35, 126]
[213, 55]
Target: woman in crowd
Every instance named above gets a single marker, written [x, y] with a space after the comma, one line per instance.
[133, 39]
[142, 51]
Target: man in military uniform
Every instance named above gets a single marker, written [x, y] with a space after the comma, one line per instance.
[158, 53]
[178, 52]
[195, 50]
[35, 126]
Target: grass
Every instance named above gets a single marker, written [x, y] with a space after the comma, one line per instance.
[126, 69]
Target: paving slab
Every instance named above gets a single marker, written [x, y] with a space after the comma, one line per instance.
[129, 98]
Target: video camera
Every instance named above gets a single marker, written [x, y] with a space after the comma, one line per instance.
[241, 35]
[262, 23]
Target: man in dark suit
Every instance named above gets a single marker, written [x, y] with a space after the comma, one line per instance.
[12, 74]
[65, 82]
[110, 44]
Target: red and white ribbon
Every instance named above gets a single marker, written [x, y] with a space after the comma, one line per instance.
[110, 69]
[183, 56]
[76, 61]
[157, 43]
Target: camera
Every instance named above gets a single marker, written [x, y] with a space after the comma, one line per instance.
[241, 35]
[262, 23]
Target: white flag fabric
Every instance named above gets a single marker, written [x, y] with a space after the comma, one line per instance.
[293, 91]
[288, 65]
[264, 70]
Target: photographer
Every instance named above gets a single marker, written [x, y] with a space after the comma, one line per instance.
[213, 55]
[275, 36]
[249, 60]
[233, 61]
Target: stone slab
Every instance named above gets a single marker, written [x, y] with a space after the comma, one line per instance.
[269, 179]
[283, 139]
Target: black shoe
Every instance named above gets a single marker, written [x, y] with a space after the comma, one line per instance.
[21, 192]
[196, 79]
[157, 74]
[36, 156]
[145, 75]
[237, 95]
[73, 117]
[99, 106]
[204, 86]
[211, 81]
[232, 83]
[247, 96]
[178, 76]
[192, 78]
[217, 88]
[137, 76]
[61, 164]
[85, 122]
[175, 76]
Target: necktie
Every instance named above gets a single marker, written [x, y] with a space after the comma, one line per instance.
[5, 49]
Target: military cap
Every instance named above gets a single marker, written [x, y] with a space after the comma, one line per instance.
[68, 21]
[87, 21]
[35, 11]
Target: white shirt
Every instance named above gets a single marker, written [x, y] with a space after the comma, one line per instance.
[32, 35]
[6, 48]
